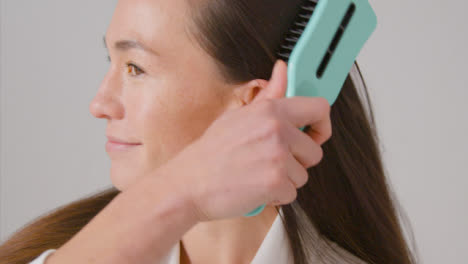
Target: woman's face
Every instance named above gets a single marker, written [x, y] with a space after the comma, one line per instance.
[163, 98]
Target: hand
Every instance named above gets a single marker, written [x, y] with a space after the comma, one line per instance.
[253, 155]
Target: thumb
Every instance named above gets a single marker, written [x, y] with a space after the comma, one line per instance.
[276, 87]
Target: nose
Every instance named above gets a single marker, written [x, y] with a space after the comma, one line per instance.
[107, 103]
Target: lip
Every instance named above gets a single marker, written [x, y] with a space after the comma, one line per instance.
[118, 146]
[121, 141]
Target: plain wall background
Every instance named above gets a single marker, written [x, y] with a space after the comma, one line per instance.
[52, 148]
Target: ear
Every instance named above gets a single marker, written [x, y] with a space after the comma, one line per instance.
[258, 89]
[247, 92]
[277, 85]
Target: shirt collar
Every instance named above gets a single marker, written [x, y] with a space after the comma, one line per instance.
[275, 247]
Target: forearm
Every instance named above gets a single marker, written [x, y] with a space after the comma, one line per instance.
[139, 226]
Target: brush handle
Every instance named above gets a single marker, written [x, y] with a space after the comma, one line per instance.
[256, 211]
[260, 208]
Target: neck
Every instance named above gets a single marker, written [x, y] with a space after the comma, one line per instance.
[234, 240]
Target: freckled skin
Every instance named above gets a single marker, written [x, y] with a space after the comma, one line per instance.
[168, 106]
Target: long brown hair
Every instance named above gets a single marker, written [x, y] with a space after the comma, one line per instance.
[347, 199]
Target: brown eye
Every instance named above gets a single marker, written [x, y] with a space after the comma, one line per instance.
[133, 69]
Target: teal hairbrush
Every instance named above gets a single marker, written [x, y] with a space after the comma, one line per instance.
[321, 46]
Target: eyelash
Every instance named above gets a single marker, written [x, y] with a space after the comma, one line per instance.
[137, 69]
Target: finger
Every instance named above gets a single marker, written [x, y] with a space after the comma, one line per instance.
[297, 173]
[296, 177]
[286, 193]
[276, 87]
[306, 110]
[303, 148]
[321, 131]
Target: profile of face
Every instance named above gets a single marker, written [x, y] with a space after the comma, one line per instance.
[161, 90]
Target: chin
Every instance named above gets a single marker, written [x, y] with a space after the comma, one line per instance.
[117, 185]
[121, 179]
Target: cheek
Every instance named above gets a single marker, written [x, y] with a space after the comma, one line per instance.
[166, 121]
[177, 118]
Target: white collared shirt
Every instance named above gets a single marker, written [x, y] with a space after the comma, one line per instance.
[275, 248]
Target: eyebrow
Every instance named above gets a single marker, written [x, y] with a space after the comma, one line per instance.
[125, 45]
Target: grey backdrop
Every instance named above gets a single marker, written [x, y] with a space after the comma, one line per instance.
[52, 148]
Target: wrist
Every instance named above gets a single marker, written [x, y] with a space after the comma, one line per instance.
[166, 199]
[163, 215]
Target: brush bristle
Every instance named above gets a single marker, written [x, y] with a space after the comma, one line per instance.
[300, 23]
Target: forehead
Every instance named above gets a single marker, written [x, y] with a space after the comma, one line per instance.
[156, 23]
